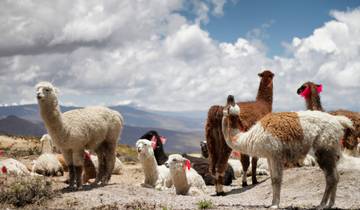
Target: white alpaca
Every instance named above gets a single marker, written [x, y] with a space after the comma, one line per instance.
[261, 167]
[14, 167]
[184, 177]
[155, 176]
[93, 128]
[286, 137]
[47, 145]
[48, 164]
[118, 166]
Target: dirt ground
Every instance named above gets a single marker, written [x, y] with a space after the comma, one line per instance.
[302, 188]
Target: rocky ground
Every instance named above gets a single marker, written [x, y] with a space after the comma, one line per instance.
[302, 188]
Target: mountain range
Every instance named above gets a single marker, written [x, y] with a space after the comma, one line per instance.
[184, 130]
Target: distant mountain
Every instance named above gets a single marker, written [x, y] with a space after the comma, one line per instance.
[176, 121]
[15, 125]
[177, 141]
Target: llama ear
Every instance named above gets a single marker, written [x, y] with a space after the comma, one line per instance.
[260, 74]
[319, 88]
[163, 139]
[153, 142]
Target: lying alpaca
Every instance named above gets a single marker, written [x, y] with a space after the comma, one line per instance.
[183, 176]
[155, 176]
[201, 166]
[311, 93]
[118, 167]
[48, 165]
[288, 136]
[219, 152]
[93, 128]
[12, 166]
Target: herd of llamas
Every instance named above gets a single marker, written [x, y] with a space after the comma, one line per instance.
[83, 143]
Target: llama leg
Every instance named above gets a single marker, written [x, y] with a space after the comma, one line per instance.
[78, 158]
[69, 162]
[110, 160]
[221, 166]
[245, 162]
[327, 162]
[276, 172]
[253, 169]
[101, 161]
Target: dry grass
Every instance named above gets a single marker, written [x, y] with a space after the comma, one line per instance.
[126, 153]
[23, 190]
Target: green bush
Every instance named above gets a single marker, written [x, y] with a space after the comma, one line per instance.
[205, 204]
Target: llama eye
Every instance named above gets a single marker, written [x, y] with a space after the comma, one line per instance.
[47, 90]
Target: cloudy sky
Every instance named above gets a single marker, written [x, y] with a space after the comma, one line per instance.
[179, 54]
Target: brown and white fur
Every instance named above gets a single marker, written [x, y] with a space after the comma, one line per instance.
[252, 111]
[288, 136]
[313, 102]
[93, 128]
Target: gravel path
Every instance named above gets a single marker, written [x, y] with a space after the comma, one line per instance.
[302, 188]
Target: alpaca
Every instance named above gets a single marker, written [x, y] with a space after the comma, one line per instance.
[155, 176]
[157, 143]
[12, 166]
[183, 176]
[219, 152]
[288, 136]
[93, 128]
[47, 164]
[201, 165]
[118, 166]
[311, 93]
[47, 145]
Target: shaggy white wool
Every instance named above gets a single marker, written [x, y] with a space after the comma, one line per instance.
[14, 167]
[48, 164]
[155, 176]
[186, 181]
[47, 145]
[93, 128]
[118, 167]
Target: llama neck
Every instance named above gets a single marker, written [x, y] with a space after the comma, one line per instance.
[180, 180]
[265, 92]
[313, 101]
[150, 170]
[53, 121]
[243, 142]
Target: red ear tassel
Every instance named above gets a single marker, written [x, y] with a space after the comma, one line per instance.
[187, 164]
[4, 170]
[153, 142]
[306, 92]
[319, 88]
[87, 156]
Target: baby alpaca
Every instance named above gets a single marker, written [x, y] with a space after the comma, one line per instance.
[183, 176]
[47, 164]
[155, 176]
[287, 137]
[12, 166]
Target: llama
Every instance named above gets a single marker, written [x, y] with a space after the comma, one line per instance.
[47, 164]
[157, 143]
[183, 176]
[311, 93]
[14, 167]
[286, 137]
[155, 176]
[219, 152]
[93, 128]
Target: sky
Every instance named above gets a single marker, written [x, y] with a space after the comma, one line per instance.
[178, 55]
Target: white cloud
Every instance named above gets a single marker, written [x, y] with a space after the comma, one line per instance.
[147, 53]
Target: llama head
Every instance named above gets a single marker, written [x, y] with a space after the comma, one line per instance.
[46, 93]
[157, 140]
[178, 162]
[308, 89]
[144, 149]
[204, 149]
[232, 112]
[266, 78]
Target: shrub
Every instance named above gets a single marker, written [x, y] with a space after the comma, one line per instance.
[205, 204]
[22, 190]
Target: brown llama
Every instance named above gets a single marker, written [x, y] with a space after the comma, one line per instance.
[311, 93]
[219, 151]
